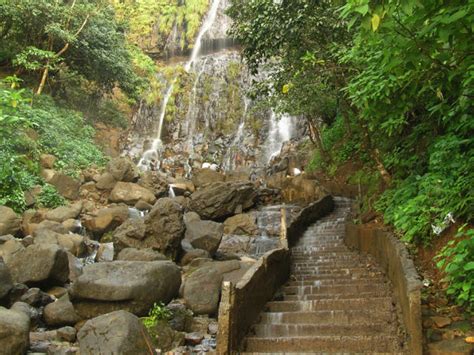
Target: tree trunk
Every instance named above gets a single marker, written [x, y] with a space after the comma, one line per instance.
[44, 77]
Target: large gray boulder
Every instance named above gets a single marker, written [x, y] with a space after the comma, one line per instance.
[61, 312]
[6, 282]
[39, 263]
[130, 193]
[62, 213]
[131, 285]
[73, 243]
[14, 332]
[132, 254]
[241, 224]
[205, 235]
[123, 169]
[202, 288]
[219, 200]
[202, 177]
[162, 230]
[66, 185]
[9, 221]
[106, 219]
[118, 332]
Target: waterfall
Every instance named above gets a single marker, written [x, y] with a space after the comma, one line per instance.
[279, 132]
[152, 153]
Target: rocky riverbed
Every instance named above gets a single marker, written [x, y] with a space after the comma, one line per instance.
[83, 277]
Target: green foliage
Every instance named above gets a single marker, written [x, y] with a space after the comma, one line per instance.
[150, 22]
[457, 261]
[157, 313]
[49, 197]
[28, 131]
[79, 38]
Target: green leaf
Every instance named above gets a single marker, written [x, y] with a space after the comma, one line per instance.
[469, 266]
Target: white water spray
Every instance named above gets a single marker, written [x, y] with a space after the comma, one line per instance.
[280, 131]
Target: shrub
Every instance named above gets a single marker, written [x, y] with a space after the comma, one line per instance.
[50, 197]
[157, 313]
[457, 261]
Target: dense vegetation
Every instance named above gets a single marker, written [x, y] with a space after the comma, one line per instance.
[66, 65]
[387, 84]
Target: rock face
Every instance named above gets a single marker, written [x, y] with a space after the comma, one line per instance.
[66, 185]
[14, 331]
[206, 176]
[205, 235]
[9, 221]
[118, 332]
[123, 169]
[220, 200]
[131, 285]
[131, 193]
[107, 219]
[202, 288]
[63, 213]
[6, 282]
[60, 313]
[40, 263]
[162, 230]
[241, 224]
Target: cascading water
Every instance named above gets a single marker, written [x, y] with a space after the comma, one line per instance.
[153, 153]
[280, 131]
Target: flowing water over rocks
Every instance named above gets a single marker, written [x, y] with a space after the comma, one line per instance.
[336, 300]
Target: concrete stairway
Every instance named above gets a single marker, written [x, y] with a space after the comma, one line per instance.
[336, 301]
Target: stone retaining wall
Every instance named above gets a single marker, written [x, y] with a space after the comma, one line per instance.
[392, 255]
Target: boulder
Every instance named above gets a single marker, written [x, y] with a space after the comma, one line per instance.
[35, 297]
[10, 223]
[47, 161]
[205, 235]
[62, 213]
[131, 193]
[241, 224]
[40, 263]
[9, 249]
[202, 177]
[50, 226]
[72, 225]
[14, 331]
[156, 182]
[162, 230]
[194, 254]
[164, 337]
[74, 243]
[123, 169]
[131, 285]
[106, 181]
[66, 185]
[61, 312]
[235, 244]
[202, 288]
[119, 332]
[107, 219]
[132, 254]
[220, 200]
[6, 282]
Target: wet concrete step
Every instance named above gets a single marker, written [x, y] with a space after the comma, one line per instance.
[380, 304]
[375, 343]
[341, 276]
[336, 281]
[303, 330]
[349, 289]
[322, 296]
[345, 317]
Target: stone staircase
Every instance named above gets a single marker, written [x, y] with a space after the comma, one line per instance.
[336, 301]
